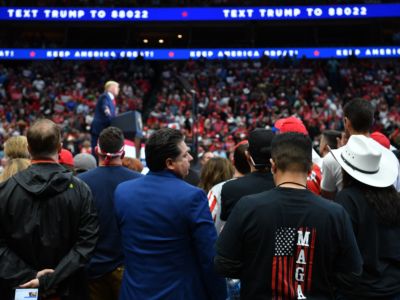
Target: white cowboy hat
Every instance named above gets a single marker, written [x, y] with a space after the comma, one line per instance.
[367, 161]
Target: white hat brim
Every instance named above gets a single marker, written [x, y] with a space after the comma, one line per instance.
[386, 175]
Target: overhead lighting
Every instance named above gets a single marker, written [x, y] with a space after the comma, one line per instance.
[179, 36]
[145, 41]
[161, 41]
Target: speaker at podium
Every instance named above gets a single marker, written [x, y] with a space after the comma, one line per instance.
[130, 123]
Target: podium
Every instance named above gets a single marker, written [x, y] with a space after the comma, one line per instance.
[130, 123]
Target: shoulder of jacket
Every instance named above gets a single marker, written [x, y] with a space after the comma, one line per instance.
[78, 183]
[7, 184]
[186, 188]
[234, 184]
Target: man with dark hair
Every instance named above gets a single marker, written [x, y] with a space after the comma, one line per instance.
[287, 243]
[359, 116]
[168, 235]
[106, 266]
[358, 120]
[258, 180]
[112, 141]
[48, 224]
[239, 160]
[163, 148]
[293, 124]
[329, 140]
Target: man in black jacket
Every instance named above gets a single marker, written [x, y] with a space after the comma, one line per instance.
[258, 180]
[48, 224]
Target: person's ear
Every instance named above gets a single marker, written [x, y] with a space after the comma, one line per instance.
[325, 149]
[273, 166]
[169, 162]
[59, 147]
[347, 123]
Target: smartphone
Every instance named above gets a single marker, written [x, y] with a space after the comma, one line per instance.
[26, 294]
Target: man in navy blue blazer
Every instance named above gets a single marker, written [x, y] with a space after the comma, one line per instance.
[104, 112]
[167, 231]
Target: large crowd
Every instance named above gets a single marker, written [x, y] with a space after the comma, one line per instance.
[260, 214]
[67, 93]
[233, 97]
[247, 222]
[255, 227]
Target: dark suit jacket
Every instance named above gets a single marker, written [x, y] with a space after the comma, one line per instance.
[168, 239]
[101, 120]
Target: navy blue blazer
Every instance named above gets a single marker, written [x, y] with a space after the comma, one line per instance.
[168, 239]
[101, 120]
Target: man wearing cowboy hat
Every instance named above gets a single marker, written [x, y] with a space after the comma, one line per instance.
[358, 119]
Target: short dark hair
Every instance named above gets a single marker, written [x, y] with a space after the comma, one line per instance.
[240, 159]
[111, 140]
[44, 138]
[162, 144]
[291, 151]
[360, 113]
[331, 137]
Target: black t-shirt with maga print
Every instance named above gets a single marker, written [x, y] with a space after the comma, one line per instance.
[379, 246]
[290, 244]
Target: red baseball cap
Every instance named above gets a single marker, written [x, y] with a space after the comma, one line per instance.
[381, 139]
[290, 124]
[65, 157]
[244, 142]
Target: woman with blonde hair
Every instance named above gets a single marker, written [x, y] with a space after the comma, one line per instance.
[216, 170]
[17, 156]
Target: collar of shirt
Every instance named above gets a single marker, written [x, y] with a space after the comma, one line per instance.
[110, 95]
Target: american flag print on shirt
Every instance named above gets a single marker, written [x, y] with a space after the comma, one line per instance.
[292, 262]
